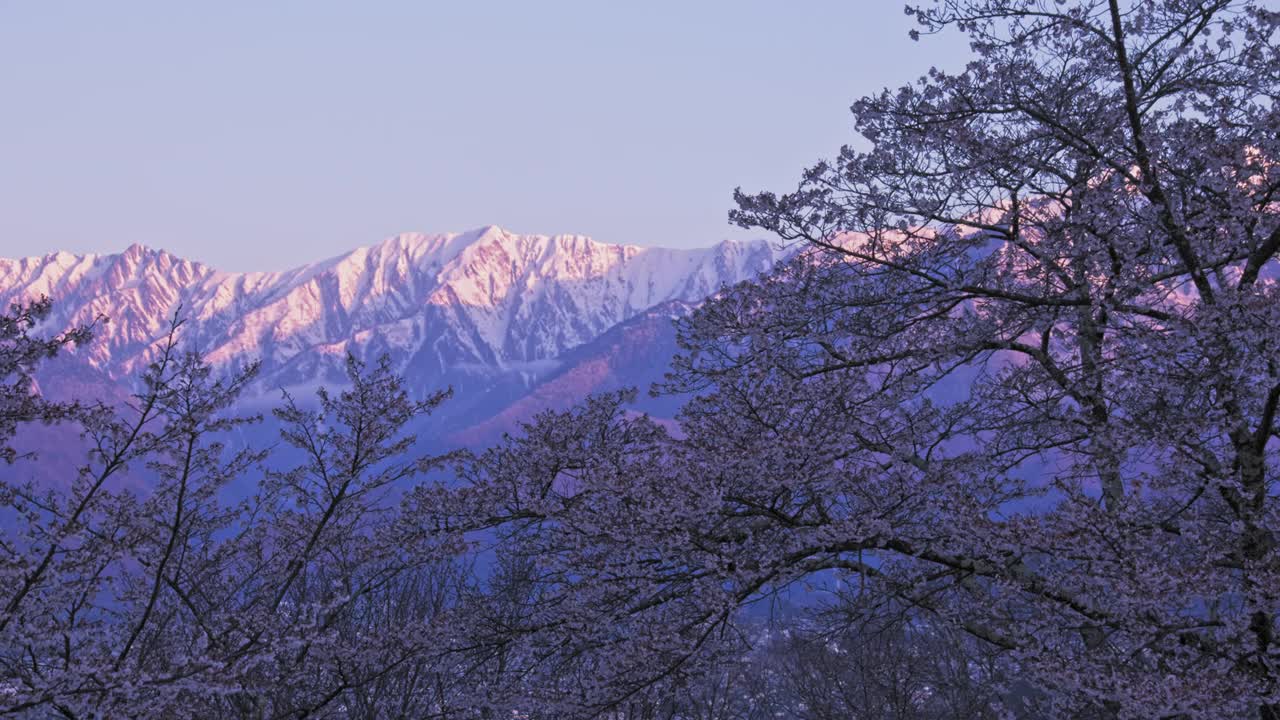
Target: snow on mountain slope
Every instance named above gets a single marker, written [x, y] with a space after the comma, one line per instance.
[481, 309]
[635, 353]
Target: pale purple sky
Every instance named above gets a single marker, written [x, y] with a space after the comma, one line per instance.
[260, 135]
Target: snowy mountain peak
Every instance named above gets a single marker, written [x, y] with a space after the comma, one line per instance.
[483, 303]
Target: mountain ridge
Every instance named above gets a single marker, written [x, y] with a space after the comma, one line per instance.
[490, 312]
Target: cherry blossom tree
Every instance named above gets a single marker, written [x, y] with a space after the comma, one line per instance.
[1020, 383]
[177, 601]
[20, 352]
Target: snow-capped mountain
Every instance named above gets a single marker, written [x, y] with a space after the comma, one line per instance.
[489, 311]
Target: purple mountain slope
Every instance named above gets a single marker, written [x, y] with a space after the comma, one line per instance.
[633, 354]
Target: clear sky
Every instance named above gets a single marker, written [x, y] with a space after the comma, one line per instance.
[260, 134]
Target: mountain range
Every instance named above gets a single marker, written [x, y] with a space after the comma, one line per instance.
[514, 323]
